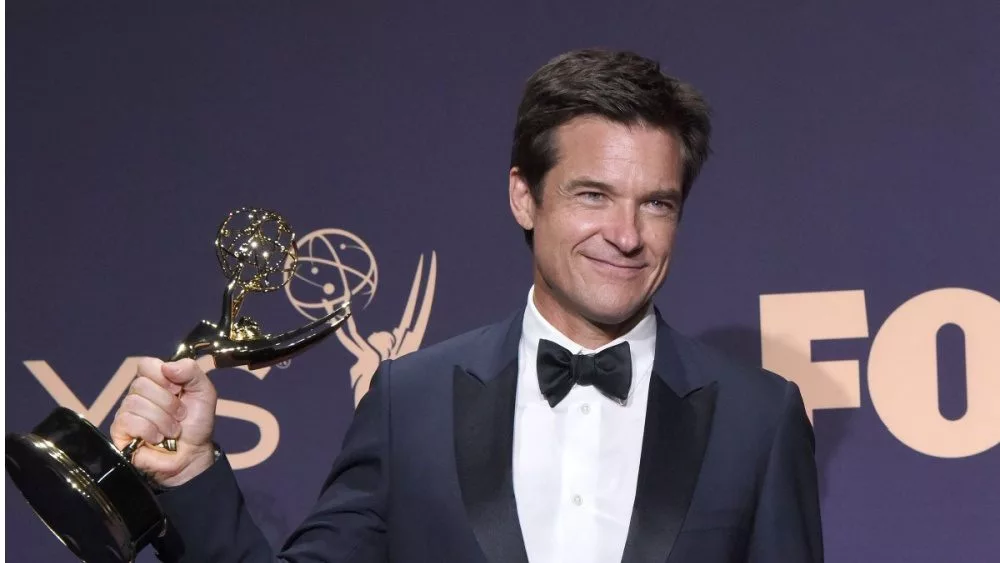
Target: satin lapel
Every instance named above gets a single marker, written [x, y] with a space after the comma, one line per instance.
[484, 433]
[678, 424]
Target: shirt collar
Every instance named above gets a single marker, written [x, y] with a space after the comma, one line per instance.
[641, 339]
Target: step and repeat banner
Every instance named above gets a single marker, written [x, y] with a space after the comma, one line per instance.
[845, 232]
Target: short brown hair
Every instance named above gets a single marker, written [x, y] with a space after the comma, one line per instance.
[618, 85]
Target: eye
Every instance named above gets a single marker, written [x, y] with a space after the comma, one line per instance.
[663, 206]
[592, 196]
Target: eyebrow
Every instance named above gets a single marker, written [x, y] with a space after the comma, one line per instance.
[673, 194]
[587, 182]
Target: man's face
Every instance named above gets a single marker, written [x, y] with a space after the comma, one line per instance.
[605, 226]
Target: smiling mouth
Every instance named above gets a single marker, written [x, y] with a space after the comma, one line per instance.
[616, 266]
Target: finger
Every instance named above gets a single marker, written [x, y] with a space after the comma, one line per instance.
[142, 407]
[159, 396]
[161, 463]
[152, 368]
[129, 425]
[156, 461]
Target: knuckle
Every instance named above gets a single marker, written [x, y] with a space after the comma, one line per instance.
[132, 421]
[147, 366]
[138, 384]
[137, 403]
[131, 427]
[120, 421]
[129, 403]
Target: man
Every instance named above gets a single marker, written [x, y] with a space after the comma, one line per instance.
[582, 428]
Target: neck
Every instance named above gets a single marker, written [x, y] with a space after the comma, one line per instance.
[586, 332]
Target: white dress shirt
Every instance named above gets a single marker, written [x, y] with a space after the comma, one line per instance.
[575, 466]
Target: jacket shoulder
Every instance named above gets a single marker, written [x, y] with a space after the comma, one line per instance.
[468, 348]
[737, 377]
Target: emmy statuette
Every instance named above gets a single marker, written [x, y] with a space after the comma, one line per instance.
[87, 491]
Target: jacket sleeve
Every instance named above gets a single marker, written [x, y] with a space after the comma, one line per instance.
[208, 521]
[787, 525]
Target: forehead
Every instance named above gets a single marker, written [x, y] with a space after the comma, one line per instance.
[619, 154]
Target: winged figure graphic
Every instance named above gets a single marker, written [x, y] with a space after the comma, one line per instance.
[391, 344]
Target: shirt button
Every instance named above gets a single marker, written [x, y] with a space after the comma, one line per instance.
[585, 408]
[577, 500]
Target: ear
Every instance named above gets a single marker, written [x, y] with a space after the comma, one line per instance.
[522, 203]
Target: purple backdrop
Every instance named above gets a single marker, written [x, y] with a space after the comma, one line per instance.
[855, 150]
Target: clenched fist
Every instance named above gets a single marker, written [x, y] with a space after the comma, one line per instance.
[169, 400]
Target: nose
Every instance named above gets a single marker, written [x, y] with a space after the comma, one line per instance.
[622, 229]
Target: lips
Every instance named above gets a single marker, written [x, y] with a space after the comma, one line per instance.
[629, 266]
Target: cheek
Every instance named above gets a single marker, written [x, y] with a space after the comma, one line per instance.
[660, 243]
[582, 227]
[566, 232]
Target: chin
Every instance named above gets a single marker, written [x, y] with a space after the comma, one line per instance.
[613, 315]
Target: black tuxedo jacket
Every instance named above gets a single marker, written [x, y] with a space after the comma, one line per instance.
[727, 471]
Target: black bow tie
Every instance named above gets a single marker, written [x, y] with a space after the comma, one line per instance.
[609, 370]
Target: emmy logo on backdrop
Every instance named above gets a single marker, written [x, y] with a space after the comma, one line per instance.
[336, 265]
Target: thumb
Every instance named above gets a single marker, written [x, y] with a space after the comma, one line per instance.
[188, 374]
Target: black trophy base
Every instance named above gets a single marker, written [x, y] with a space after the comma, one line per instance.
[84, 489]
